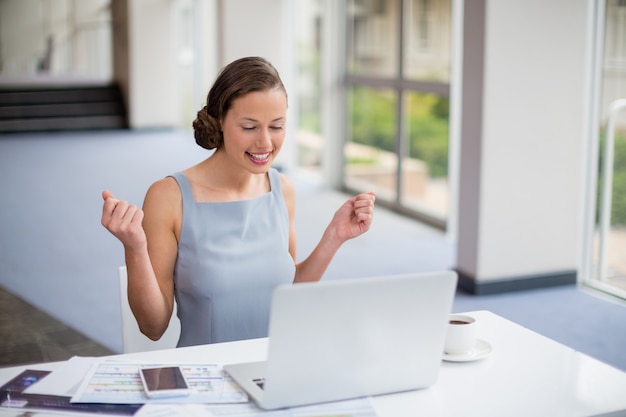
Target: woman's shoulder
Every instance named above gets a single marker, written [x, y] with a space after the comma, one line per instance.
[165, 190]
[164, 187]
[162, 206]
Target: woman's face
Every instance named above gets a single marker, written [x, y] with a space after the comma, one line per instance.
[254, 129]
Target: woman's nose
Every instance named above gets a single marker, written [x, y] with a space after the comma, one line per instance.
[265, 138]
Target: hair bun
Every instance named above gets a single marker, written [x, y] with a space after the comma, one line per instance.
[207, 130]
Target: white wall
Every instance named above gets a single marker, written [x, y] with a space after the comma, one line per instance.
[520, 213]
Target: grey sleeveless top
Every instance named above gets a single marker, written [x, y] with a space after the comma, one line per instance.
[231, 256]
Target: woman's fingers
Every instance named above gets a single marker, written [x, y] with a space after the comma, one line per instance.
[106, 194]
[118, 216]
[364, 206]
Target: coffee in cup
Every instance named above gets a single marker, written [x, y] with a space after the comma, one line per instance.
[461, 334]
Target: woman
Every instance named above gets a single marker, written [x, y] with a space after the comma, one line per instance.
[219, 236]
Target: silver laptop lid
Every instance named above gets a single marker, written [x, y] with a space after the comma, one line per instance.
[343, 339]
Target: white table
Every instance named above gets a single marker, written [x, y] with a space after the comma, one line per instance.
[526, 375]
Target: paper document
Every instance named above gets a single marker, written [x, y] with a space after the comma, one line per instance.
[111, 382]
[65, 379]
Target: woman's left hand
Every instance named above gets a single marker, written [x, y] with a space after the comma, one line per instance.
[354, 217]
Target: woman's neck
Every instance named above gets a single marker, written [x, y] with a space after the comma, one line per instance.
[216, 179]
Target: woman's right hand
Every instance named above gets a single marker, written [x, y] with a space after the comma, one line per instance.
[123, 220]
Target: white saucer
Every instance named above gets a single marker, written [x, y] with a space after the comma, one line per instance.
[481, 350]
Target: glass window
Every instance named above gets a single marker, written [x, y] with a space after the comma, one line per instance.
[609, 238]
[425, 170]
[371, 162]
[56, 39]
[373, 37]
[427, 40]
[309, 133]
[398, 104]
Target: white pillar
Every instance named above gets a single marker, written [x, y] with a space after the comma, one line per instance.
[522, 134]
[145, 61]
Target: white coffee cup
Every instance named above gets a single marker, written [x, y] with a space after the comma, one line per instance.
[461, 335]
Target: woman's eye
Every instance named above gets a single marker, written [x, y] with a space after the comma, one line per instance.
[251, 128]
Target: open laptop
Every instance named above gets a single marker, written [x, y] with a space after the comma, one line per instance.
[336, 340]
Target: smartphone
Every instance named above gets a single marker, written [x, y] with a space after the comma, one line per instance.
[166, 381]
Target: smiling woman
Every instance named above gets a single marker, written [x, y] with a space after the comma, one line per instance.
[255, 124]
[219, 237]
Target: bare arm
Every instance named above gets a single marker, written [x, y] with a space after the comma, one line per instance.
[150, 244]
[352, 219]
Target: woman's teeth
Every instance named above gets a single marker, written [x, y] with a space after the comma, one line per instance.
[259, 156]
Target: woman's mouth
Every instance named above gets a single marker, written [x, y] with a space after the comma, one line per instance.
[259, 158]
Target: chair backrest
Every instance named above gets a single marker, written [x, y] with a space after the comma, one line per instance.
[133, 339]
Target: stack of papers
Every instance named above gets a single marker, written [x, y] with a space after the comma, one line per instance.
[119, 383]
[88, 386]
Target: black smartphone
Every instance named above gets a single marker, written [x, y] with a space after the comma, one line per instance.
[165, 381]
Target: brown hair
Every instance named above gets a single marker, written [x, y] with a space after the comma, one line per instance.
[240, 77]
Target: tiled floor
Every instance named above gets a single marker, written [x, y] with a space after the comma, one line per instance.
[28, 335]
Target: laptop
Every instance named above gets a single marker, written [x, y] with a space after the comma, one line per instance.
[337, 340]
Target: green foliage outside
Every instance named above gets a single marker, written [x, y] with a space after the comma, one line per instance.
[428, 127]
[373, 118]
[373, 124]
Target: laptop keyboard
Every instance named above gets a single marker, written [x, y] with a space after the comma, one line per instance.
[260, 382]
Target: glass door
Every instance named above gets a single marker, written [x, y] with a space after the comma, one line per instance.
[606, 269]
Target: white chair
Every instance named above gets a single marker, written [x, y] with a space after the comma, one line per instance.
[133, 339]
